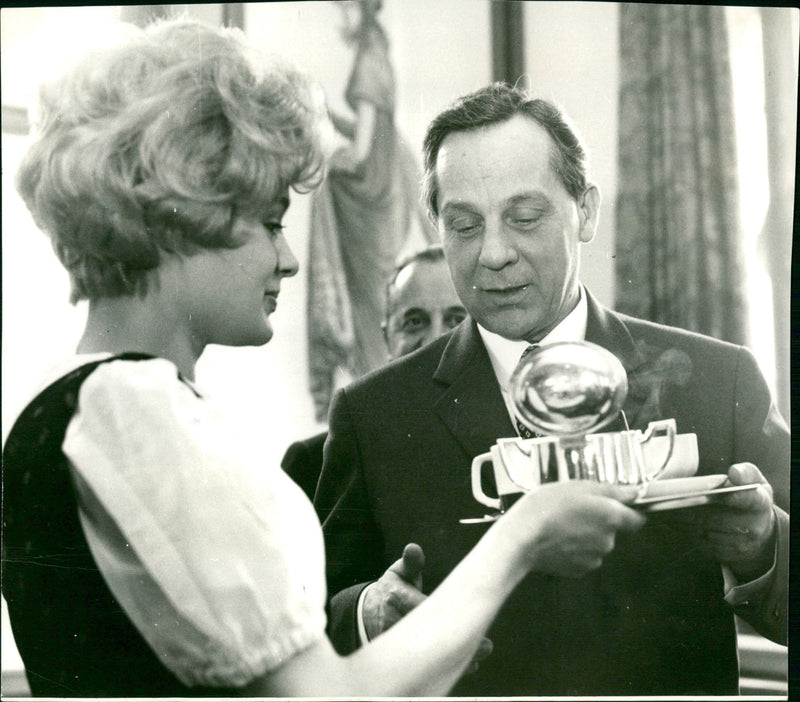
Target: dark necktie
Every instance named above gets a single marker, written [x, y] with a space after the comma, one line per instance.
[522, 430]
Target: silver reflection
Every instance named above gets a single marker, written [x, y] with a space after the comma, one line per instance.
[568, 388]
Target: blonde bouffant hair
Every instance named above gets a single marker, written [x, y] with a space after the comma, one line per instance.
[155, 145]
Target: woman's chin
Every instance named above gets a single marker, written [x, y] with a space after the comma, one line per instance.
[263, 336]
[264, 333]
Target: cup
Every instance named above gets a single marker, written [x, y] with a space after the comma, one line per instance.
[521, 465]
[683, 462]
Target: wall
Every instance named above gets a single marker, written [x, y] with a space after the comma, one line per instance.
[434, 63]
[572, 59]
[440, 50]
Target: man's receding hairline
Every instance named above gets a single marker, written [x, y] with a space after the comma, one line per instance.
[553, 160]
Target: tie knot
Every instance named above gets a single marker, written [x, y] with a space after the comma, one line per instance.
[522, 430]
[527, 351]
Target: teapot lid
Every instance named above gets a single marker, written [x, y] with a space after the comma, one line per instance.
[568, 388]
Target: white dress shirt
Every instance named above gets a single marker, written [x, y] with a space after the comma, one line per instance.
[506, 353]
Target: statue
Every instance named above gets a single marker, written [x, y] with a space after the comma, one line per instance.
[360, 217]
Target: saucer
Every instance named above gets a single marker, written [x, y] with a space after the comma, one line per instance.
[663, 495]
[674, 503]
[666, 494]
[485, 519]
[669, 487]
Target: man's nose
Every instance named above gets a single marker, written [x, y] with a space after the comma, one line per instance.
[436, 328]
[497, 249]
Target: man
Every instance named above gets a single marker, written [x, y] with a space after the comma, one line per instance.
[507, 186]
[421, 305]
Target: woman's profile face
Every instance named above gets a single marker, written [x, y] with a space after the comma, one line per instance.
[231, 293]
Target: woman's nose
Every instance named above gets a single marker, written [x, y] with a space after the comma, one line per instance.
[287, 262]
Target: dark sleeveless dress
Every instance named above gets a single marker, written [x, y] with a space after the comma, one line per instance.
[74, 638]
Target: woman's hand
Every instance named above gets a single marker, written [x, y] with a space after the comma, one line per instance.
[569, 527]
[563, 529]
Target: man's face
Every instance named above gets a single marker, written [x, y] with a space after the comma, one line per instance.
[510, 230]
[422, 306]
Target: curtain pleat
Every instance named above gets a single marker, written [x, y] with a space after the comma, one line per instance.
[679, 244]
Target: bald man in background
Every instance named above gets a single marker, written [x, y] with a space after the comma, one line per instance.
[421, 305]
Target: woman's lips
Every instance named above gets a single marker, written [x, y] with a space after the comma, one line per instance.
[271, 301]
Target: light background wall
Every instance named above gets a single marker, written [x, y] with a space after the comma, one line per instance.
[440, 50]
[571, 56]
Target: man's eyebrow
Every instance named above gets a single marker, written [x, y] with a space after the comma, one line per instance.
[458, 206]
[538, 197]
[416, 309]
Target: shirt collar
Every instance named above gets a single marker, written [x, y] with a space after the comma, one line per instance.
[505, 353]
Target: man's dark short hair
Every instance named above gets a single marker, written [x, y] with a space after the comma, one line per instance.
[497, 103]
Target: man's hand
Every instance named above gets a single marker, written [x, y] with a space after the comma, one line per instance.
[397, 592]
[738, 528]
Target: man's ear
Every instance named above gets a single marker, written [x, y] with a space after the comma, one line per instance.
[589, 212]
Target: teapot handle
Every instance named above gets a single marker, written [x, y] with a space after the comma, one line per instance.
[662, 425]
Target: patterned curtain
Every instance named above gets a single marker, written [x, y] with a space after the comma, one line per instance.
[679, 249]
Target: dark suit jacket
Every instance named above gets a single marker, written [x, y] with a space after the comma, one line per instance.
[302, 462]
[652, 620]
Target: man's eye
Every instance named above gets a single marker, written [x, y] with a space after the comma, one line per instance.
[414, 323]
[465, 226]
[524, 217]
[454, 318]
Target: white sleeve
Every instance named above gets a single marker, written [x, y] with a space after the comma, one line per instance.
[217, 559]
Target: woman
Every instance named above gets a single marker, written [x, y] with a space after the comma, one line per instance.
[147, 552]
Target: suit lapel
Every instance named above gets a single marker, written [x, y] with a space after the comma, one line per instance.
[471, 405]
[606, 329]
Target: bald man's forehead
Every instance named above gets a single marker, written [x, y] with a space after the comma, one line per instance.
[423, 283]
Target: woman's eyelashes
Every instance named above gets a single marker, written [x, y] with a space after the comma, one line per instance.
[274, 228]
